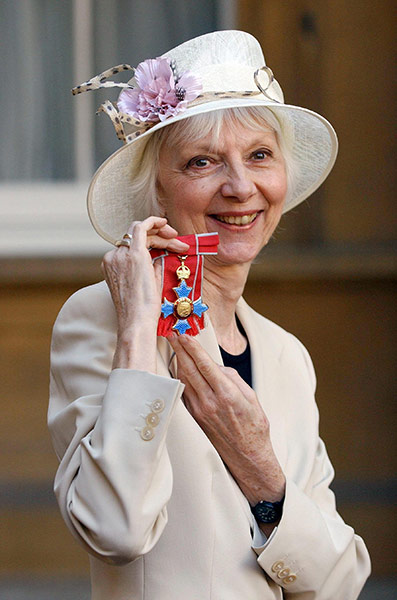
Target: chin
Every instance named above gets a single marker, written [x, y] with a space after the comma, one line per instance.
[236, 256]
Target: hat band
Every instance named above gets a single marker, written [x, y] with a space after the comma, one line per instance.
[118, 117]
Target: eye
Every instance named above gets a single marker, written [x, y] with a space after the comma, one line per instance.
[199, 162]
[262, 154]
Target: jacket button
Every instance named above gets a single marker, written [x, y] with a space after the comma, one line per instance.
[277, 566]
[147, 433]
[152, 419]
[157, 405]
[289, 579]
[283, 573]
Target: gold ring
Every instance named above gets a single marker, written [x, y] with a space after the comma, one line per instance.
[123, 242]
[127, 236]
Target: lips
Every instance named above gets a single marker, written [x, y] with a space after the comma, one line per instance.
[236, 220]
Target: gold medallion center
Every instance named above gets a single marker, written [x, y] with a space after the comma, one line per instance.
[183, 307]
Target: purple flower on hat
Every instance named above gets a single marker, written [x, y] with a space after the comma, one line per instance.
[160, 92]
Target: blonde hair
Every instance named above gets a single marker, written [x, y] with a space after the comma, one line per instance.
[143, 185]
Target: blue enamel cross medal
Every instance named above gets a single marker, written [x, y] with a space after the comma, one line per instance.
[183, 308]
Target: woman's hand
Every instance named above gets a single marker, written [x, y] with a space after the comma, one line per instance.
[228, 411]
[135, 285]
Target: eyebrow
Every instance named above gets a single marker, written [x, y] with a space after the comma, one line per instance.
[207, 147]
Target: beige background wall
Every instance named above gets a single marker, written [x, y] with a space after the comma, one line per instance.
[336, 252]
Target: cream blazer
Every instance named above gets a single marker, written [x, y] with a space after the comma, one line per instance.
[157, 509]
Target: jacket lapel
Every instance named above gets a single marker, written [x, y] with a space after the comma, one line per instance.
[265, 362]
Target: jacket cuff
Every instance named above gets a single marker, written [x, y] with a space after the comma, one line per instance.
[297, 552]
[139, 403]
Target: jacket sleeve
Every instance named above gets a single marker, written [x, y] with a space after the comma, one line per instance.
[109, 431]
[313, 554]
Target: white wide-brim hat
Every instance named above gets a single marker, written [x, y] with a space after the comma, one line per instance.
[231, 69]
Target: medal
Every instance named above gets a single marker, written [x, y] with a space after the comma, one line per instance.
[184, 313]
[183, 307]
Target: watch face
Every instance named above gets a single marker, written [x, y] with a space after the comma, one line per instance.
[268, 512]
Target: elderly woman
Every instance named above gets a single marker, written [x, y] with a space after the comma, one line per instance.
[190, 465]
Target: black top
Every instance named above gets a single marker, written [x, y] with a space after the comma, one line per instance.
[240, 362]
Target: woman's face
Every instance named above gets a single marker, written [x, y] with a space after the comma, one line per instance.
[236, 188]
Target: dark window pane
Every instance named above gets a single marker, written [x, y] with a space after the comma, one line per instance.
[130, 32]
[36, 128]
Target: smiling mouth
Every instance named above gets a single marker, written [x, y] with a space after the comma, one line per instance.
[236, 220]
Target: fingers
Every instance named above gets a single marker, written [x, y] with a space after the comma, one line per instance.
[154, 232]
[173, 245]
[242, 385]
[197, 366]
[155, 223]
[187, 367]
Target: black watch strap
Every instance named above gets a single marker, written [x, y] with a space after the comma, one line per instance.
[268, 512]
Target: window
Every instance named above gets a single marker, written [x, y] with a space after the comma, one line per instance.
[54, 142]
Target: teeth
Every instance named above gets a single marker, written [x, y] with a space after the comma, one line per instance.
[243, 220]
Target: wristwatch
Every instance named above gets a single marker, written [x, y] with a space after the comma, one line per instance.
[268, 512]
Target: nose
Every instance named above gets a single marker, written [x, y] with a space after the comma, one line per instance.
[238, 184]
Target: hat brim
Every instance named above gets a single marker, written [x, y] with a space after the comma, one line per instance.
[110, 205]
